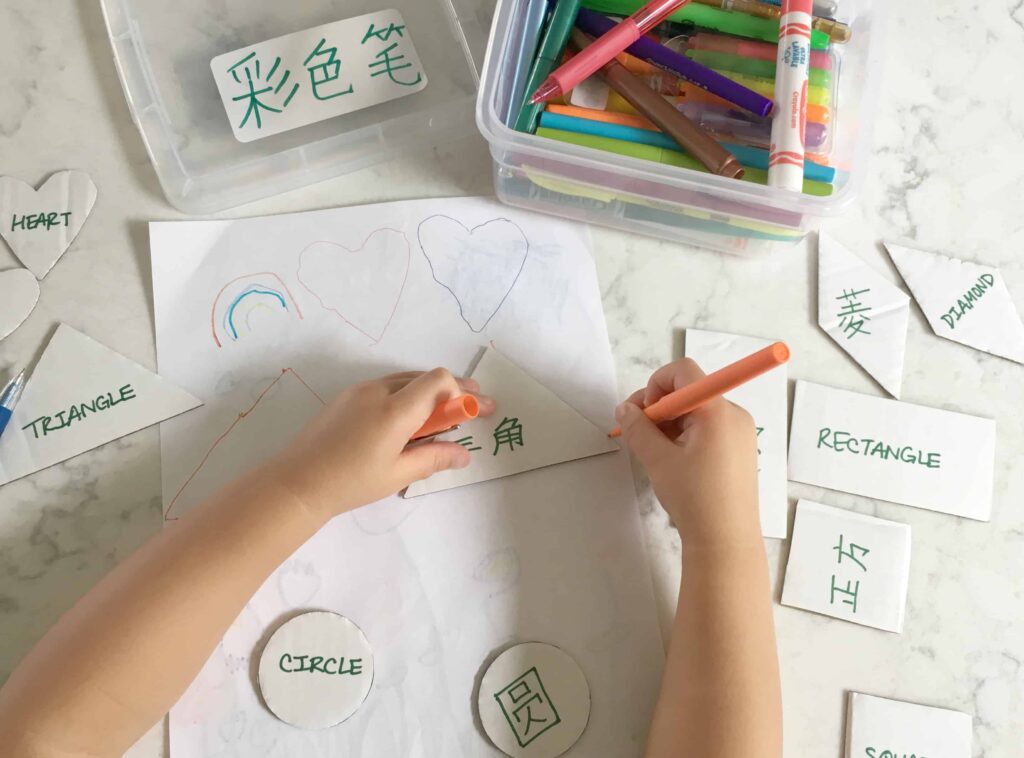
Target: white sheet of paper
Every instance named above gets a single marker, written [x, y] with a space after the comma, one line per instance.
[910, 454]
[849, 566]
[863, 312]
[316, 670]
[534, 701]
[437, 584]
[881, 728]
[19, 293]
[317, 74]
[82, 395]
[766, 399]
[963, 301]
[532, 428]
[40, 225]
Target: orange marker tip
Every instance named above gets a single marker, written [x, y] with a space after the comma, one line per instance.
[781, 352]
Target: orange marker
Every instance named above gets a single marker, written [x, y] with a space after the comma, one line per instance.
[449, 415]
[693, 396]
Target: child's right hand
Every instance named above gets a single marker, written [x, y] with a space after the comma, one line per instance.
[703, 467]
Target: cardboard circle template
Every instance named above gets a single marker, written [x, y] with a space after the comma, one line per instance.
[316, 670]
[534, 701]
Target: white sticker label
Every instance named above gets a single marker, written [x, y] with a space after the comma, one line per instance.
[317, 74]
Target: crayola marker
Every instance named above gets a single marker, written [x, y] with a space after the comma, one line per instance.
[789, 118]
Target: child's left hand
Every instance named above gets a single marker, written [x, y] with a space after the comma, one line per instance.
[354, 453]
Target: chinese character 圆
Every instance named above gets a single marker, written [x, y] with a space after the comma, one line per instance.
[325, 70]
[527, 708]
[851, 553]
[263, 93]
[853, 315]
[389, 62]
[467, 442]
[508, 432]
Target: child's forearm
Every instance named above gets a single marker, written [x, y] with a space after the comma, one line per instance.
[118, 660]
[720, 696]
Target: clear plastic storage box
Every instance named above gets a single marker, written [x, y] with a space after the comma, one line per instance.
[665, 201]
[163, 52]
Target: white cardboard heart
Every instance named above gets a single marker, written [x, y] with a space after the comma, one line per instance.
[19, 293]
[40, 225]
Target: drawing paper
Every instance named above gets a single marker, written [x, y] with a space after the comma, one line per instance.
[881, 728]
[534, 701]
[849, 566]
[317, 74]
[79, 396]
[963, 301]
[40, 225]
[531, 428]
[439, 583]
[316, 670]
[19, 293]
[910, 454]
[766, 399]
[864, 313]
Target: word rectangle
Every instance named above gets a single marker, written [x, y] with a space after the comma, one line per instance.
[317, 74]
[848, 566]
[880, 728]
[910, 454]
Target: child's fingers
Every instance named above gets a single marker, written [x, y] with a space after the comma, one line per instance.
[671, 377]
[420, 461]
[642, 435]
[396, 382]
[418, 399]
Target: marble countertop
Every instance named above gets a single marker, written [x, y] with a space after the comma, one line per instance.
[947, 174]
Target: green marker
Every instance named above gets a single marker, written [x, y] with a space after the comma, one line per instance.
[551, 48]
[667, 157]
[727, 22]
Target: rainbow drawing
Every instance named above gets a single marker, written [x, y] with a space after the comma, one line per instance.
[238, 305]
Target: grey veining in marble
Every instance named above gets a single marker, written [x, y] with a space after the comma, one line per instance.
[947, 175]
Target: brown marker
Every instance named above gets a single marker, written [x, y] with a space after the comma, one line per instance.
[651, 104]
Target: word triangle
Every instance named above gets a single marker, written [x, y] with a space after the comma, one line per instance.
[963, 301]
[865, 314]
[82, 395]
[531, 428]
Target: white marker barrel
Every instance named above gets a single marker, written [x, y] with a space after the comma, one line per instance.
[789, 118]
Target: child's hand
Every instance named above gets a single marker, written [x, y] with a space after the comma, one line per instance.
[703, 467]
[355, 453]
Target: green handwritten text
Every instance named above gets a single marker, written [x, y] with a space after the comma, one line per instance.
[872, 752]
[966, 303]
[45, 425]
[36, 220]
[317, 664]
[844, 442]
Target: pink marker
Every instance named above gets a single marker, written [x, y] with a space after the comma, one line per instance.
[604, 48]
[789, 118]
[744, 48]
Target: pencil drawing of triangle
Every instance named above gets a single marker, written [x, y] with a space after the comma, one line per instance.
[863, 312]
[531, 429]
[963, 301]
[82, 395]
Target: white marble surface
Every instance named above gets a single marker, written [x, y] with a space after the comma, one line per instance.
[947, 174]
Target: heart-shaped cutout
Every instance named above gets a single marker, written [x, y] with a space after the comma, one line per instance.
[40, 225]
[360, 286]
[19, 293]
[479, 266]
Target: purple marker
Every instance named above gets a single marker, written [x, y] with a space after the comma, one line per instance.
[739, 127]
[595, 25]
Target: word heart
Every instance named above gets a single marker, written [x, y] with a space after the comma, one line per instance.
[19, 293]
[478, 266]
[40, 225]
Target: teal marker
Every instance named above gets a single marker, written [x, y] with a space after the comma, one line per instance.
[556, 36]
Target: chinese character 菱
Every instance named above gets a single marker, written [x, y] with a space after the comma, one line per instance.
[467, 443]
[508, 432]
[387, 61]
[851, 553]
[527, 707]
[853, 315]
[260, 97]
[325, 71]
[850, 593]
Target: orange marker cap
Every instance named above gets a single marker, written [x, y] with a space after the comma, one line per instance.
[449, 414]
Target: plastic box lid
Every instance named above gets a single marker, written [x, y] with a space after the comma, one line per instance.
[163, 52]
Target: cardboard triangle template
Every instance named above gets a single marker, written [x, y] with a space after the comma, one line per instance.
[82, 395]
[531, 429]
[964, 302]
[863, 312]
